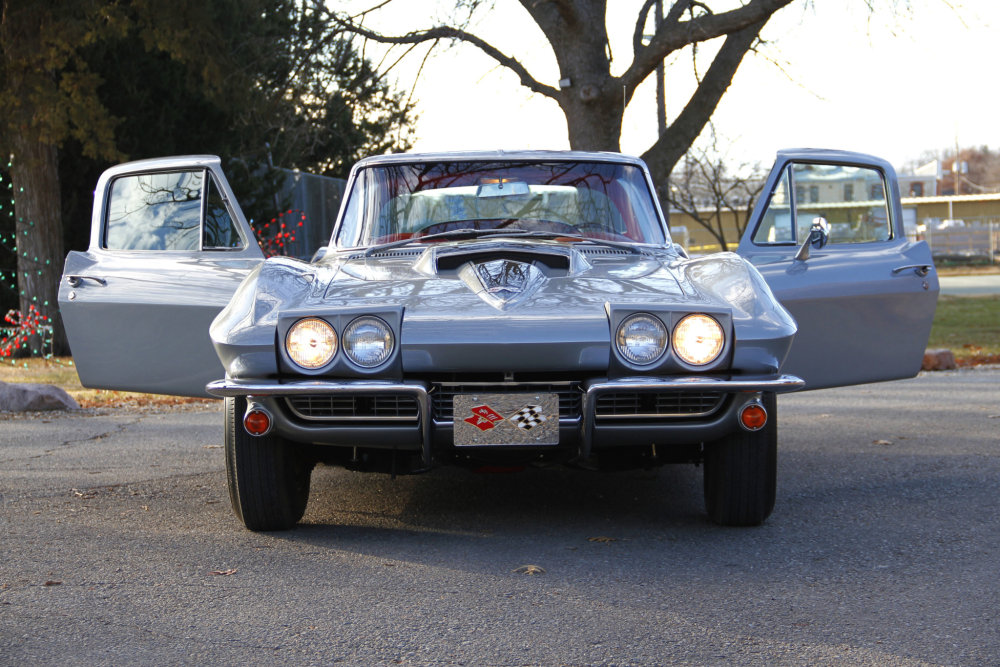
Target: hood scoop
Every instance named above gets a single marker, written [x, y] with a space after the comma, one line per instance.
[502, 283]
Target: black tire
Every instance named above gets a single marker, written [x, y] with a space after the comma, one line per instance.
[268, 477]
[741, 473]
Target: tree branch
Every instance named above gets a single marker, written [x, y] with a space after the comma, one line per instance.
[676, 11]
[674, 34]
[668, 149]
[640, 26]
[452, 34]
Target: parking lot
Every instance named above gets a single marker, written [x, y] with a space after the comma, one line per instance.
[119, 546]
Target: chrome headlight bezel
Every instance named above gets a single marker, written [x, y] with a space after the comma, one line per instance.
[654, 328]
[311, 343]
[385, 334]
[698, 339]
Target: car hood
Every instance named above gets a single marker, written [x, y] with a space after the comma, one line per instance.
[542, 305]
[514, 279]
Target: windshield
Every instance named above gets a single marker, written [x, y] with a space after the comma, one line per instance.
[598, 200]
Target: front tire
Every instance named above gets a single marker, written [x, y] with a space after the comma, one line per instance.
[741, 472]
[268, 477]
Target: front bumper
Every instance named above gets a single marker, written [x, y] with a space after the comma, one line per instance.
[589, 428]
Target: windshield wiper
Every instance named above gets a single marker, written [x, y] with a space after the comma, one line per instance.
[454, 233]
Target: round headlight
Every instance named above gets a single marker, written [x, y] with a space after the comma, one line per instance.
[698, 339]
[368, 341]
[311, 343]
[641, 339]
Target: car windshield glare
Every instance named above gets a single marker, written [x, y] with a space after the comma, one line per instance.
[603, 201]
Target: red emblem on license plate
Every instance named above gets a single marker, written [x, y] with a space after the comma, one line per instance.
[484, 417]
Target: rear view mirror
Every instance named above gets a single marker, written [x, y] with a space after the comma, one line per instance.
[502, 187]
[819, 234]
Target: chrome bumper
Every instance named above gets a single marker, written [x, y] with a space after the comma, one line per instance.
[591, 391]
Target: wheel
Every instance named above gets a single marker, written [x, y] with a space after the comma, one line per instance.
[741, 473]
[268, 477]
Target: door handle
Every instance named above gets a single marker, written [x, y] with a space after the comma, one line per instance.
[919, 269]
[76, 281]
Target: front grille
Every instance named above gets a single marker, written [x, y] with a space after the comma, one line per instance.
[660, 404]
[443, 395]
[384, 407]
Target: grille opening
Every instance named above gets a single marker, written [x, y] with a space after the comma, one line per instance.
[652, 404]
[389, 407]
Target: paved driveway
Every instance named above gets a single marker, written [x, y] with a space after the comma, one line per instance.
[970, 285]
[118, 547]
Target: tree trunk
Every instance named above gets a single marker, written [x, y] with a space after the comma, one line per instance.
[592, 127]
[35, 177]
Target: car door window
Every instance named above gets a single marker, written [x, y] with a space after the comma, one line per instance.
[851, 199]
[776, 224]
[220, 231]
[164, 211]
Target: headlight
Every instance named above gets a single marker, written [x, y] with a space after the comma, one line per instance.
[698, 339]
[311, 343]
[368, 341]
[641, 339]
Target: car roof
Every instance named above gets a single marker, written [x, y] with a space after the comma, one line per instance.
[500, 155]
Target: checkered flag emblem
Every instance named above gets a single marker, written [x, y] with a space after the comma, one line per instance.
[527, 417]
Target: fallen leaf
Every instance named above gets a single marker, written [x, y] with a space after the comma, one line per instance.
[530, 570]
[994, 417]
[52, 582]
[881, 442]
[603, 539]
[211, 446]
[223, 573]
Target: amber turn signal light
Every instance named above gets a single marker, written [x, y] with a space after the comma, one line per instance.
[257, 422]
[753, 417]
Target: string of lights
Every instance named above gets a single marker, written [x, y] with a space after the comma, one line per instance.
[29, 334]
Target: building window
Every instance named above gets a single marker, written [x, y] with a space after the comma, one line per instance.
[876, 191]
[916, 189]
[848, 192]
[813, 194]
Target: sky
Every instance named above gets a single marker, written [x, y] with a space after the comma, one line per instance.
[831, 74]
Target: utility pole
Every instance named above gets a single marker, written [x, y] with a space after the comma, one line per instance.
[661, 93]
[661, 108]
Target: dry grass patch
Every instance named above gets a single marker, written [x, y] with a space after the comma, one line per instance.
[61, 372]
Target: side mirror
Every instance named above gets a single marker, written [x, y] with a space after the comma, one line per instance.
[819, 234]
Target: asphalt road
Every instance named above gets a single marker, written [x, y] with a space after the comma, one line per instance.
[119, 547]
[975, 285]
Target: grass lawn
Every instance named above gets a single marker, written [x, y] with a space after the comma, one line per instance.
[968, 326]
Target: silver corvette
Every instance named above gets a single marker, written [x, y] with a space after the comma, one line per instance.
[485, 309]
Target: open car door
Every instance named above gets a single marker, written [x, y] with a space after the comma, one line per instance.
[168, 248]
[827, 235]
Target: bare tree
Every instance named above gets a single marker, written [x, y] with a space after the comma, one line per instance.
[714, 195]
[591, 98]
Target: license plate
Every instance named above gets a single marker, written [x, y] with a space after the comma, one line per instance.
[485, 420]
